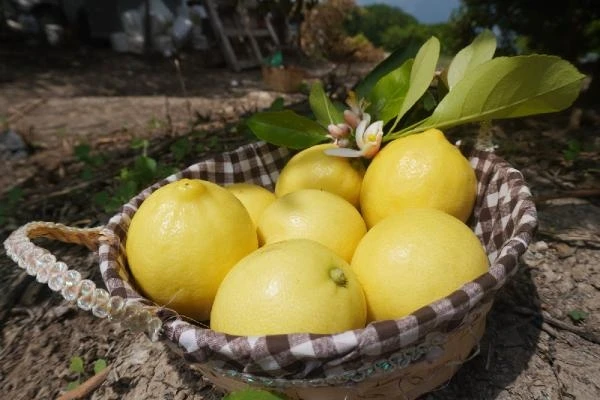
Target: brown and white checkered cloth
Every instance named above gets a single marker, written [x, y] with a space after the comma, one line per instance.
[504, 219]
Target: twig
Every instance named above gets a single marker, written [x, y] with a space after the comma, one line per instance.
[488, 360]
[86, 387]
[546, 327]
[105, 176]
[183, 88]
[168, 116]
[573, 193]
[579, 331]
[11, 298]
[66, 190]
[17, 113]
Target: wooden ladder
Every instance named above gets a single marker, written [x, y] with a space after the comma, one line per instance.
[240, 33]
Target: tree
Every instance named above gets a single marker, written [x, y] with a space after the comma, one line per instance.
[398, 36]
[323, 34]
[391, 28]
[374, 20]
[569, 28]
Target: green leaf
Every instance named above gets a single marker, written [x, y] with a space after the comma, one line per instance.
[144, 169]
[82, 152]
[99, 365]
[391, 62]
[76, 365]
[506, 87]
[578, 315]
[100, 198]
[573, 150]
[180, 148]
[14, 196]
[429, 102]
[388, 95]
[421, 74]
[325, 112]
[138, 143]
[482, 49]
[87, 173]
[73, 385]
[125, 191]
[286, 128]
[251, 394]
[277, 105]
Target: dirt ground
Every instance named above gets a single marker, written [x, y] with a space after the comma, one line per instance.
[543, 335]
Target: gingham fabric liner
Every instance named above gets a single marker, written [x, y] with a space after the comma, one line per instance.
[504, 219]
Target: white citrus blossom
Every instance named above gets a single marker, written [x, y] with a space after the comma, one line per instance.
[369, 141]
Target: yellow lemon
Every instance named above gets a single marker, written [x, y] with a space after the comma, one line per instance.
[292, 286]
[420, 170]
[313, 214]
[414, 257]
[254, 197]
[311, 168]
[183, 240]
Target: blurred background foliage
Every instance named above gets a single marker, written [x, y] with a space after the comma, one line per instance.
[570, 29]
[342, 31]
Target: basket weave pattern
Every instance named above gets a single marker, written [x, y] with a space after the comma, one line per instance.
[504, 219]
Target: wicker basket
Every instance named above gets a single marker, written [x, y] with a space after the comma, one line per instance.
[399, 359]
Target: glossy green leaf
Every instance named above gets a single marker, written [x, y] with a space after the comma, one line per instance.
[482, 49]
[429, 102]
[388, 95]
[287, 129]
[390, 63]
[421, 74]
[322, 107]
[506, 87]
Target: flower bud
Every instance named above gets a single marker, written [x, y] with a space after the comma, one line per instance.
[351, 118]
[338, 131]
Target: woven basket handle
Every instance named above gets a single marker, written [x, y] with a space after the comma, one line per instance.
[44, 266]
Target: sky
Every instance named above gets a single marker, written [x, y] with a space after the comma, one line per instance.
[426, 11]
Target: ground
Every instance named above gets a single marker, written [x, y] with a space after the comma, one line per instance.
[543, 334]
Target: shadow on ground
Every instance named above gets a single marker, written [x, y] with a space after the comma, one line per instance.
[506, 349]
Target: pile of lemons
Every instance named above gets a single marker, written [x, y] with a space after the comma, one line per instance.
[337, 245]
